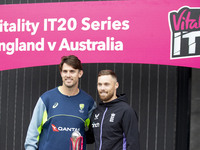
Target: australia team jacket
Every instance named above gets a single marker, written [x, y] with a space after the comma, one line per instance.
[114, 125]
[54, 119]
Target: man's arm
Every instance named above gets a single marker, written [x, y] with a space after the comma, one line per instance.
[92, 109]
[38, 119]
[89, 135]
[130, 129]
[89, 132]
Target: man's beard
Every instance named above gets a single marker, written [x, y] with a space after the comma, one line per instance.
[107, 97]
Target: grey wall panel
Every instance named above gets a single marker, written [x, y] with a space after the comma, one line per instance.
[143, 106]
[136, 87]
[161, 108]
[3, 101]
[2, 2]
[19, 112]
[171, 115]
[183, 109]
[152, 103]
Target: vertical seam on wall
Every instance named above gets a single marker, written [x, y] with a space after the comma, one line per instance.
[56, 81]
[157, 99]
[1, 80]
[22, 122]
[175, 109]
[15, 108]
[166, 100]
[47, 78]
[97, 75]
[88, 83]
[122, 78]
[7, 110]
[148, 103]
[140, 82]
[31, 93]
[131, 89]
[39, 88]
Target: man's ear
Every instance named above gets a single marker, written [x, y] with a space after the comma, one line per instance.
[80, 73]
[116, 85]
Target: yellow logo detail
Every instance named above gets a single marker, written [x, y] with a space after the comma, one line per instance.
[81, 106]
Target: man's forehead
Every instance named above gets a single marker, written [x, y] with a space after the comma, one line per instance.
[68, 67]
[106, 78]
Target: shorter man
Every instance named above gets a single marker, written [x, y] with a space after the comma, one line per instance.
[114, 122]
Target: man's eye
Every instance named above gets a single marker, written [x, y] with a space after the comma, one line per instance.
[72, 71]
[106, 84]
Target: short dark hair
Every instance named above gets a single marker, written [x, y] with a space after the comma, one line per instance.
[107, 72]
[71, 60]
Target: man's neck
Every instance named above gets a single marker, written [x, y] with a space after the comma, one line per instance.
[68, 91]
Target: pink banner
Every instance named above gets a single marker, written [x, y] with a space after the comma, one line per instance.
[152, 32]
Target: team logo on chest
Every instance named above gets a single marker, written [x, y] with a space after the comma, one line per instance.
[81, 106]
[112, 117]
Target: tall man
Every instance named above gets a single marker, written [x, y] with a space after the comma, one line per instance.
[61, 111]
[114, 122]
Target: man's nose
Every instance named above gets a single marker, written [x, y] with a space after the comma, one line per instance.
[68, 74]
[102, 87]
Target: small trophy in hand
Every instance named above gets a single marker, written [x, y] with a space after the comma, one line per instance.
[76, 141]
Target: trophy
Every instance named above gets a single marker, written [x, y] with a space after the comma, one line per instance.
[76, 141]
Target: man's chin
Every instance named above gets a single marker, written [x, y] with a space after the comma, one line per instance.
[69, 85]
[103, 98]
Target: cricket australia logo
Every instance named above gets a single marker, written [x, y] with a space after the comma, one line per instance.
[185, 32]
[81, 106]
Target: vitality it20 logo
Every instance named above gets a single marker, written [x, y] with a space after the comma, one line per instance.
[185, 32]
